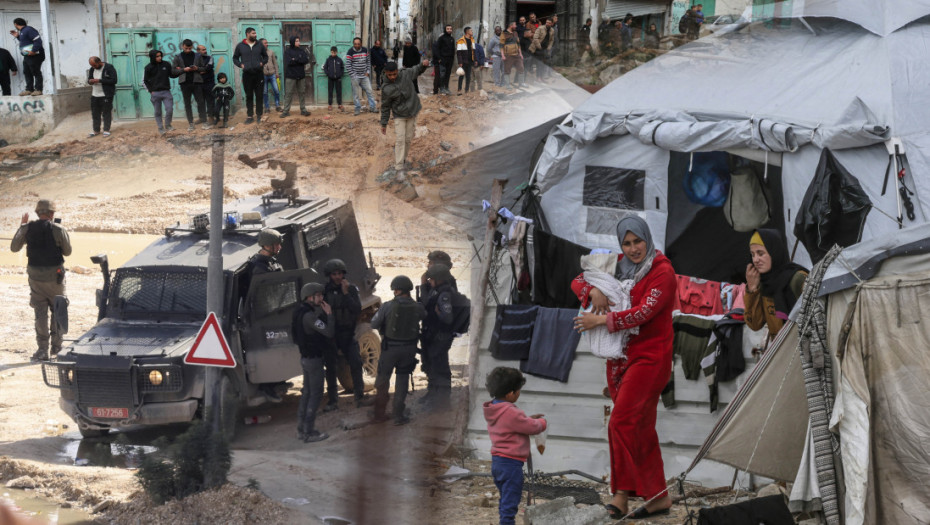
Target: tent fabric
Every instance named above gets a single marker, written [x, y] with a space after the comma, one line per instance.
[805, 493]
[885, 366]
[881, 17]
[760, 431]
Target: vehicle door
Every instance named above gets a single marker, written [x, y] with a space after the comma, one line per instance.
[269, 351]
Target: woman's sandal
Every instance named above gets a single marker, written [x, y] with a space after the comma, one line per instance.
[614, 511]
[642, 513]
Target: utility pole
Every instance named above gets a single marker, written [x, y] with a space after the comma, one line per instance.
[215, 276]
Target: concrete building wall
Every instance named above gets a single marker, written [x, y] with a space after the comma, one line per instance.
[24, 119]
[223, 14]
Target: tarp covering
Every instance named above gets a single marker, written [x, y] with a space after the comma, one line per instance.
[763, 429]
[878, 16]
[886, 369]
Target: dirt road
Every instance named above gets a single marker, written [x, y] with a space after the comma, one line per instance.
[137, 183]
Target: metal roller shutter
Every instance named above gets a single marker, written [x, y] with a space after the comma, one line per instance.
[617, 9]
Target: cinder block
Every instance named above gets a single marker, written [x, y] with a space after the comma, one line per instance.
[294, 8]
[135, 8]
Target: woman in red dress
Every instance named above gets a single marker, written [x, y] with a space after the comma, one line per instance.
[636, 382]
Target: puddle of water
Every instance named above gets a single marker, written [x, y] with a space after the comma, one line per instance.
[123, 449]
[27, 503]
[119, 247]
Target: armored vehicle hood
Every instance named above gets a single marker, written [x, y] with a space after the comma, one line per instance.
[136, 338]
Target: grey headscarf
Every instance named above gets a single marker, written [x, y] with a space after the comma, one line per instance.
[625, 268]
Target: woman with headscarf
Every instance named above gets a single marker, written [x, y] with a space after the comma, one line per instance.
[635, 382]
[773, 283]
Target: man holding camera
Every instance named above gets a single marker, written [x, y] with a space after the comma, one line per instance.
[47, 244]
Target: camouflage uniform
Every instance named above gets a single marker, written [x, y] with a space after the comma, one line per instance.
[47, 243]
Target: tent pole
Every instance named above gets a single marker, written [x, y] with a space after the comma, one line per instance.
[478, 300]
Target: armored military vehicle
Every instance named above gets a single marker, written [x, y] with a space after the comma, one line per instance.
[128, 369]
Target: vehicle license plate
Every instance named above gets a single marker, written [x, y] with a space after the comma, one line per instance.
[109, 413]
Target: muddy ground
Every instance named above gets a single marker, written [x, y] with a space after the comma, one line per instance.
[116, 195]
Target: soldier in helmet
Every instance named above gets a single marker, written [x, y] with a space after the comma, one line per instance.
[343, 297]
[437, 336]
[47, 245]
[433, 257]
[398, 321]
[312, 327]
[269, 242]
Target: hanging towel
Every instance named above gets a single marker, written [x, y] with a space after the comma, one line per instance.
[603, 343]
[554, 342]
[513, 331]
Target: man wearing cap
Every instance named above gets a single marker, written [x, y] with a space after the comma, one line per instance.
[398, 321]
[269, 242]
[312, 327]
[47, 245]
[343, 297]
[437, 337]
[401, 97]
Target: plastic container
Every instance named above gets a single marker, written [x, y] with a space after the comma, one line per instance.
[257, 420]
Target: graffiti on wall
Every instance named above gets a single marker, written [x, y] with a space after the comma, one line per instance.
[19, 111]
[678, 10]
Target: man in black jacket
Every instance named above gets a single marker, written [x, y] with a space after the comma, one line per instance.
[411, 59]
[343, 297]
[102, 79]
[7, 64]
[207, 72]
[446, 48]
[188, 66]
[312, 327]
[295, 74]
[157, 80]
[378, 60]
[250, 56]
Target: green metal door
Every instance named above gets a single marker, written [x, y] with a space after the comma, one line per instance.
[270, 30]
[128, 51]
[326, 34]
[119, 43]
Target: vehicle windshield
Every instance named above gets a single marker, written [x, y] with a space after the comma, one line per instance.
[144, 292]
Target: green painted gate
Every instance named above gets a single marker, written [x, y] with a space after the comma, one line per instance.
[326, 34]
[128, 51]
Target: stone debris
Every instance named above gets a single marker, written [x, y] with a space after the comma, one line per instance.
[22, 482]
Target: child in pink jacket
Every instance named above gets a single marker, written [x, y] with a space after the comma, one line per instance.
[510, 430]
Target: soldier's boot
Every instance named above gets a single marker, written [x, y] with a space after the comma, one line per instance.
[381, 403]
[401, 386]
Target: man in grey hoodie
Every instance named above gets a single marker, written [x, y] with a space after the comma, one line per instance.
[398, 95]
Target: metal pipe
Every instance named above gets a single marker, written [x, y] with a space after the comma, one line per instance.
[215, 274]
[100, 38]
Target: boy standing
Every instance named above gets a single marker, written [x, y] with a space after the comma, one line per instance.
[510, 430]
[334, 68]
[223, 93]
[312, 327]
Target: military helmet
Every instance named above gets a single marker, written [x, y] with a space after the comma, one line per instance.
[310, 289]
[439, 256]
[439, 272]
[334, 265]
[269, 237]
[402, 283]
[45, 206]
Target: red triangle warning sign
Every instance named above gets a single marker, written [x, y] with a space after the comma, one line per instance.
[210, 348]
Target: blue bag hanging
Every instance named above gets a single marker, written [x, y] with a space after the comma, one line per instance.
[708, 179]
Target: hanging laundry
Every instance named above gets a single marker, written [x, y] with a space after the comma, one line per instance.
[555, 340]
[692, 335]
[698, 296]
[513, 331]
[556, 264]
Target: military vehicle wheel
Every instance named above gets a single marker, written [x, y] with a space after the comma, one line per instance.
[229, 407]
[93, 432]
[369, 345]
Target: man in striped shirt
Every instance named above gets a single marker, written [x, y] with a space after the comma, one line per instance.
[358, 65]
